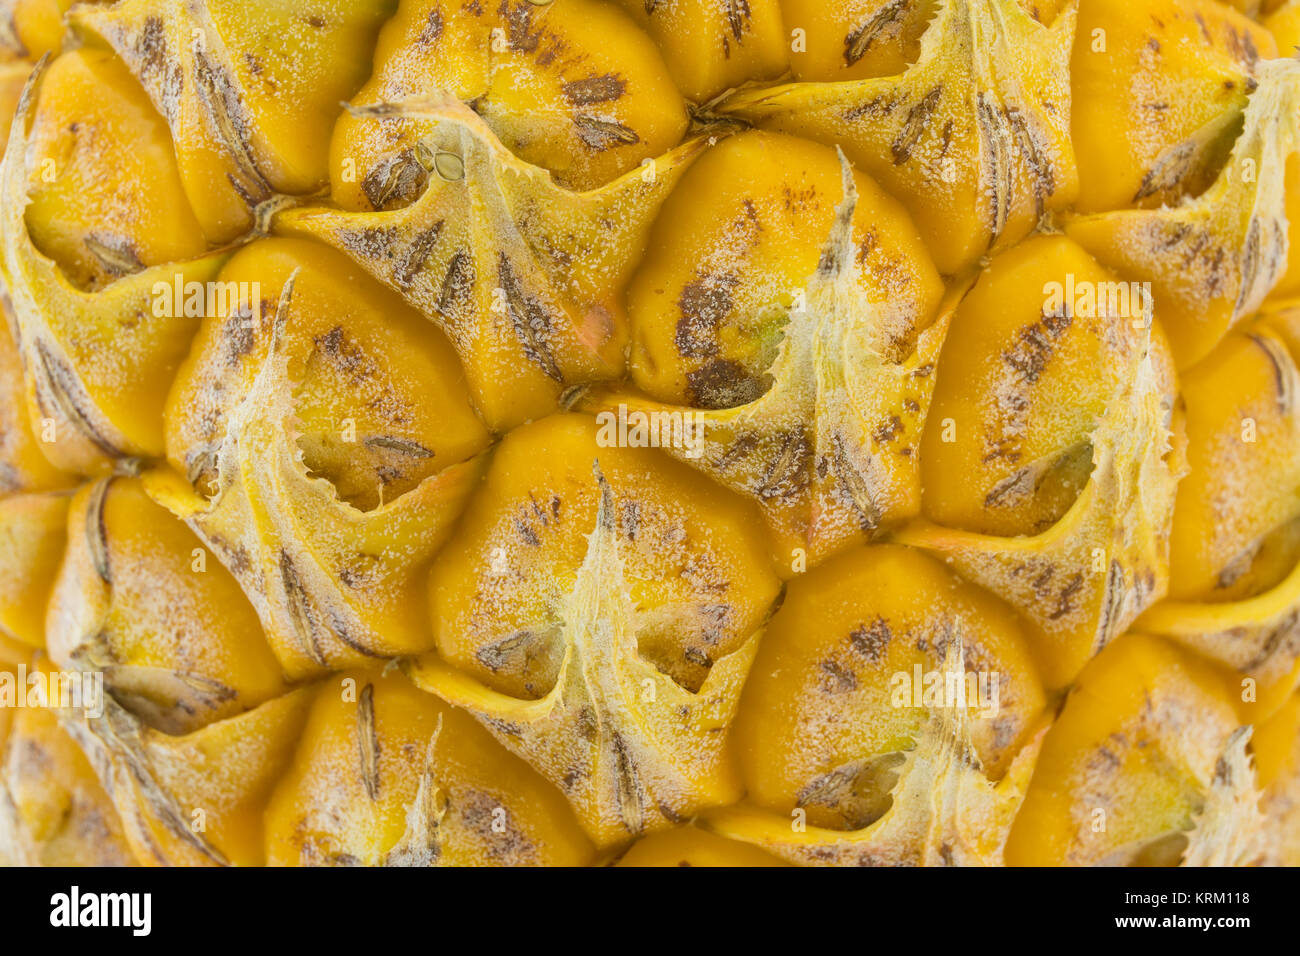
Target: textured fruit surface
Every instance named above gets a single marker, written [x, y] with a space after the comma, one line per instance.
[638, 433]
[735, 244]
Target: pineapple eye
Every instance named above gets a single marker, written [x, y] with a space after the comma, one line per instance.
[1201, 56]
[730, 257]
[423, 785]
[1232, 570]
[343, 402]
[868, 692]
[107, 197]
[1243, 437]
[141, 600]
[969, 137]
[587, 119]
[597, 610]
[1208, 265]
[53, 793]
[376, 391]
[253, 114]
[1008, 446]
[502, 600]
[1144, 766]
[1260, 565]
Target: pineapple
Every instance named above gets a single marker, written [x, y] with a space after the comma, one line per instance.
[600, 432]
[53, 809]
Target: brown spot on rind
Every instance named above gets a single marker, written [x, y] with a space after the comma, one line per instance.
[368, 741]
[1010, 489]
[600, 134]
[872, 640]
[740, 449]
[505, 843]
[522, 36]
[1035, 345]
[630, 523]
[738, 17]
[836, 679]
[156, 67]
[703, 304]
[115, 253]
[96, 533]
[238, 336]
[859, 41]
[417, 255]
[1205, 30]
[457, 284]
[697, 657]
[300, 610]
[595, 89]
[1283, 372]
[401, 445]
[786, 476]
[396, 181]
[221, 102]
[432, 29]
[853, 486]
[1035, 157]
[1112, 604]
[1264, 251]
[995, 147]
[1170, 169]
[888, 431]
[372, 242]
[918, 118]
[723, 383]
[877, 107]
[1065, 600]
[629, 790]
[532, 322]
[510, 653]
[1282, 638]
[63, 386]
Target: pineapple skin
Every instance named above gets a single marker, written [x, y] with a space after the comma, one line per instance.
[596, 432]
